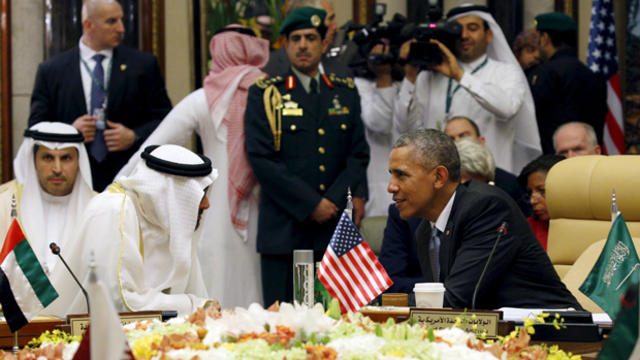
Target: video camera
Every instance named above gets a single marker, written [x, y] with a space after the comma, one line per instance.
[356, 52]
[424, 53]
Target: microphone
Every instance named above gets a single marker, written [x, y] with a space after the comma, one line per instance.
[502, 229]
[55, 249]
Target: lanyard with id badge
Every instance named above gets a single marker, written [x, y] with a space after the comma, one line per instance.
[100, 112]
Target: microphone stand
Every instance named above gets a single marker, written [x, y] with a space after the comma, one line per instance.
[55, 249]
[501, 231]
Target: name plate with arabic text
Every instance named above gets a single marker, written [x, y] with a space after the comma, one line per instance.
[484, 321]
[78, 323]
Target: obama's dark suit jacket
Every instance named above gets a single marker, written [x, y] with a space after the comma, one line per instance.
[520, 273]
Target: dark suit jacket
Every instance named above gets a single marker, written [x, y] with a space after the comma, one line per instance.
[520, 273]
[137, 99]
[398, 254]
[323, 151]
[509, 183]
[565, 90]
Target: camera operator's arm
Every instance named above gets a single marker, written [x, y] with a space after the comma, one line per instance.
[407, 114]
[449, 66]
[377, 96]
[502, 96]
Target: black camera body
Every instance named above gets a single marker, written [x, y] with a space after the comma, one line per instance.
[391, 35]
[423, 52]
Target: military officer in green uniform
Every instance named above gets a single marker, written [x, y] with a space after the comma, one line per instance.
[305, 142]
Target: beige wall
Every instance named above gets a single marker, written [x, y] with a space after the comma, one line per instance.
[27, 51]
[344, 11]
[584, 19]
[179, 72]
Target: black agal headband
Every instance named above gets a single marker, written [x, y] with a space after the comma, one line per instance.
[173, 168]
[36, 134]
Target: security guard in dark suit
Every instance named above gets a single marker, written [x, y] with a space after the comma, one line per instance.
[305, 142]
[563, 88]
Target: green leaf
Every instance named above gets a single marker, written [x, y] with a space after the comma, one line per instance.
[378, 330]
[334, 309]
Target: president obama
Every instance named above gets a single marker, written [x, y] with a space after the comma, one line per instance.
[466, 218]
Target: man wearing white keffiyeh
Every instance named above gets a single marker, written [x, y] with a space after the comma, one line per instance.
[483, 81]
[227, 251]
[49, 194]
[142, 232]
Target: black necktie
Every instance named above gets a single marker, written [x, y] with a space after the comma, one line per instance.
[313, 86]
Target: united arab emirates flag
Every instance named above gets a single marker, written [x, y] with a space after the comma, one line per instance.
[24, 288]
[615, 269]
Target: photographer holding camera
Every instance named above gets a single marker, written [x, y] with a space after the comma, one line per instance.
[483, 81]
[377, 94]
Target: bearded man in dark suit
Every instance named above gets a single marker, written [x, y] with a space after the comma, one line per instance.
[112, 94]
[425, 182]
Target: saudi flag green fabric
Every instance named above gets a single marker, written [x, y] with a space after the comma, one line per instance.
[616, 268]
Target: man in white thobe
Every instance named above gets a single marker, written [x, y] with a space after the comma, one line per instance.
[141, 232]
[377, 95]
[48, 196]
[483, 81]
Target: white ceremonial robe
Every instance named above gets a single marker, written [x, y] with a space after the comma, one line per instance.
[115, 236]
[491, 97]
[377, 116]
[229, 260]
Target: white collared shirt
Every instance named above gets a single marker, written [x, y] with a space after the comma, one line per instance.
[442, 220]
[86, 54]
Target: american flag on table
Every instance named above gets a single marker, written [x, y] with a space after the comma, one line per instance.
[603, 59]
[350, 270]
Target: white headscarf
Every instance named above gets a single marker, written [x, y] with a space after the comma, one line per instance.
[168, 204]
[31, 201]
[527, 138]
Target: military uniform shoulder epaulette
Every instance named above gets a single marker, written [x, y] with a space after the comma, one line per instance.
[343, 81]
[264, 82]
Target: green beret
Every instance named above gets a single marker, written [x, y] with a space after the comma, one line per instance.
[557, 21]
[304, 18]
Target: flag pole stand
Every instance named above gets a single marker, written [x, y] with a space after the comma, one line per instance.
[15, 343]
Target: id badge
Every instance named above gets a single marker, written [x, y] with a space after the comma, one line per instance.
[99, 114]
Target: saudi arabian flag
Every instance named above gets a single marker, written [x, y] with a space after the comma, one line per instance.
[616, 268]
[623, 341]
[24, 288]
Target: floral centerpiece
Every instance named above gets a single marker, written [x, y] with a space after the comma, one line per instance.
[299, 332]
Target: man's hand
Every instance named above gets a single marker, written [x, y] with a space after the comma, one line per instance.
[324, 211]
[410, 71]
[118, 137]
[358, 210]
[449, 66]
[86, 124]
[382, 71]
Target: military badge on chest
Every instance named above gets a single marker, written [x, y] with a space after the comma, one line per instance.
[337, 108]
[289, 107]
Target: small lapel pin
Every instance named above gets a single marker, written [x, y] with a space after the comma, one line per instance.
[447, 232]
[123, 67]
